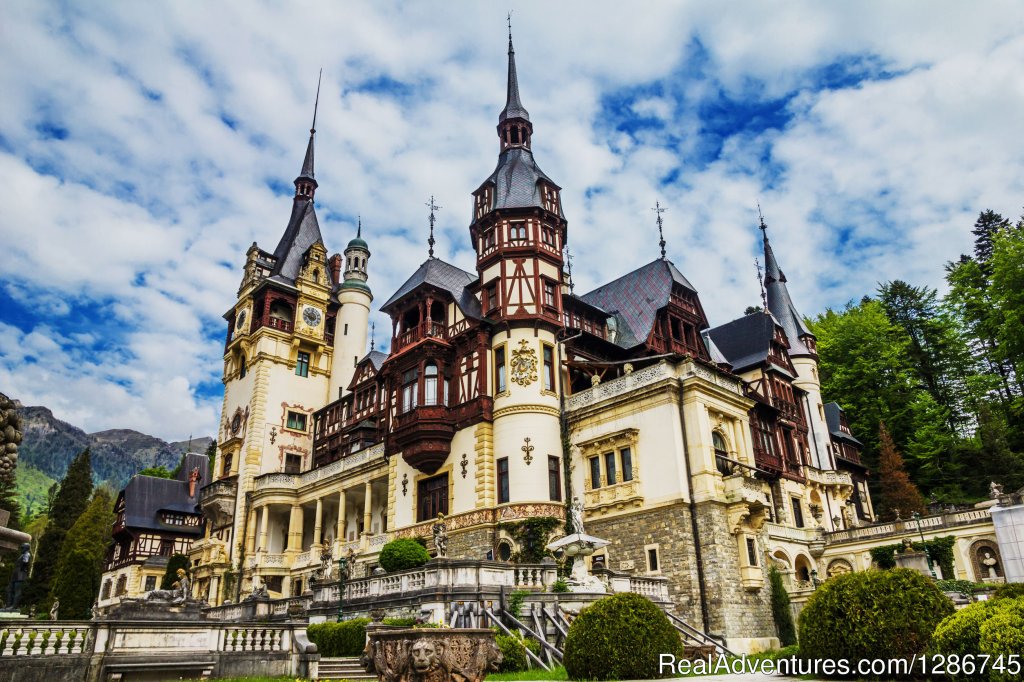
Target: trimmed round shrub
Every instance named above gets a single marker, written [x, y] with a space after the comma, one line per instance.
[403, 553]
[961, 633]
[1003, 634]
[873, 614]
[993, 628]
[513, 651]
[347, 638]
[620, 638]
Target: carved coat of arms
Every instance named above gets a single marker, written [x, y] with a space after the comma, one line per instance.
[524, 364]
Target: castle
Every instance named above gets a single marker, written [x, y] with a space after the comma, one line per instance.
[701, 454]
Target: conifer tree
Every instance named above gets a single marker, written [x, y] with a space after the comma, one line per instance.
[898, 492]
[77, 574]
[71, 500]
[171, 574]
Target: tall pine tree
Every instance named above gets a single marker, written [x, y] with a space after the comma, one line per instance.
[71, 500]
[77, 575]
[897, 492]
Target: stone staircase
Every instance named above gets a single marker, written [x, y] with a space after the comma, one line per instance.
[343, 669]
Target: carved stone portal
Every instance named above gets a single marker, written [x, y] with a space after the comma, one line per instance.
[428, 655]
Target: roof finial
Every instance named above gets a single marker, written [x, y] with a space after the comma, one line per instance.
[763, 227]
[359, 226]
[430, 242]
[568, 265]
[661, 235]
[316, 103]
[760, 282]
[373, 335]
[509, 17]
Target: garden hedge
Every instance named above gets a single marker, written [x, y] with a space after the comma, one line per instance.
[513, 651]
[872, 614]
[347, 638]
[620, 638]
[993, 628]
[403, 553]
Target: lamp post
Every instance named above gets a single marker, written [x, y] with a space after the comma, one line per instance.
[927, 552]
[342, 564]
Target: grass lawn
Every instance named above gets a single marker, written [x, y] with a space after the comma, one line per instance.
[557, 673]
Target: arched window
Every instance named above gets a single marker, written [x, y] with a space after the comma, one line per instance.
[724, 466]
[241, 367]
[430, 384]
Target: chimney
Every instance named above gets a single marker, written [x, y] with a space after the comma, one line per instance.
[335, 263]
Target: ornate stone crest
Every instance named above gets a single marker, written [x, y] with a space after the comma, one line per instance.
[524, 364]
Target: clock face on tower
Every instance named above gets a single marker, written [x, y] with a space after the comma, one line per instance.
[240, 321]
[311, 316]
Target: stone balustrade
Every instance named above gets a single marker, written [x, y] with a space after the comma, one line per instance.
[895, 528]
[44, 639]
[781, 532]
[294, 482]
[620, 386]
[827, 477]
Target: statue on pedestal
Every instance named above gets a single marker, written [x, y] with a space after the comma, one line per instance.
[440, 530]
[19, 576]
[179, 594]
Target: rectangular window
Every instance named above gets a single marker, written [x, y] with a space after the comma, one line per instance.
[751, 552]
[503, 480]
[626, 455]
[292, 464]
[798, 513]
[517, 232]
[652, 559]
[150, 583]
[226, 470]
[547, 235]
[409, 392]
[433, 498]
[554, 479]
[549, 294]
[499, 370]
[549, 367]
[296, 421]
[595, 473]
[490, 297]
[345, 333]
[609, 467]
[302, 364]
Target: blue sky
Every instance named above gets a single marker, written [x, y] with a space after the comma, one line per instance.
[144, 146]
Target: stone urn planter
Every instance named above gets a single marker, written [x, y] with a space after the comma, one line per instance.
[430, 654]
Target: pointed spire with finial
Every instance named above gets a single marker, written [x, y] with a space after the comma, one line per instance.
[513, 106]
[777, 299]
[305, 184]
[661, 235]
[430, 242]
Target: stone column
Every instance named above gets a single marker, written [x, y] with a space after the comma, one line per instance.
[318, 522]
[295, 529]
[341, 517]
[264, 526]
[250, 533]
[368, 509]
[215, 590]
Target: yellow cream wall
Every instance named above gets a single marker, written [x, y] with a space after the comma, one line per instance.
[807, 379]
[350, 346]
[526, 411]
[461, 491]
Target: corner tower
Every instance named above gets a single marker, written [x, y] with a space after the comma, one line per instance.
[803, 352]
[352, 322]
[518, 231]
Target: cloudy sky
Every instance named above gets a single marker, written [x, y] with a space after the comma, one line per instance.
[144, 146]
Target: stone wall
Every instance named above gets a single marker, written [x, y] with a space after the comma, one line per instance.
[472, 543]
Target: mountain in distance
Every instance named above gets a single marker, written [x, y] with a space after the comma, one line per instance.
[48, 445]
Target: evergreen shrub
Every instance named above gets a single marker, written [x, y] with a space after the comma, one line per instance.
[993, 628]
[403, 553]
[782, 614]
[1009, 591]
[401, 622]
[620, 638]
[347, 638]
[513, 651]
[870, 615]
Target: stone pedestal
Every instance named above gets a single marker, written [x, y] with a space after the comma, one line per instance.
[917, 561]
[430, 655]
[1008, 519]
[141, 609]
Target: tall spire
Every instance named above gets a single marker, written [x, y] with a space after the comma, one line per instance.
[778, 300]
[305, 184]
[430, 242]
[514, 127]
[661, 235]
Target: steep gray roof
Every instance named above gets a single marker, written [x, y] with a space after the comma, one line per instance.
[302, 232]
[635, 298]
[745, 342]
[446, 277]
[780, 304]
[376, 358]
[515, 179]
[513, 107]
[833, 414]
[146, 496]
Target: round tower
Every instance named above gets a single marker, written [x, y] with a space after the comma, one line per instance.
[352, 322]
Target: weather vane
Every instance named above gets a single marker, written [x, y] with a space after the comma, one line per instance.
[568, 265]
[760, 217]
[430, 242]
[316, 103]
[661, 235]
[373, 335]
[509, 17]
[760, 282]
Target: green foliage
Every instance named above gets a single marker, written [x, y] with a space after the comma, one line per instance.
[347, 638]
[885, 556]
[964, 587]
[402, 622]
[211, 455]
[782, 614]
[513, 650]
[515, 602]
[76, 581]
[171, 574]
[156, 472]
[939, 549]
[560, 586]
[872, 614]
[532, 536]
[994, 627]
[556, 673]
[1009, 591]
[68, 504]
[620, 638]
[403, 553]
[33, 489]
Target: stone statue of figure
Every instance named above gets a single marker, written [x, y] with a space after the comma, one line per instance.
[326, 559]
[19, 576]
[990, 563]
[54, 609]
[259, 588]
[576, 513]
[179, 594]
[440, 530]
[995, 490]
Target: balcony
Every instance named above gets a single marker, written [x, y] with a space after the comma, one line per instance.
[744, 488]
[832, 479]
[424, 436]
[424, 330]
[611, 498]
[931, 523]
[787, 408]
[217, 500]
